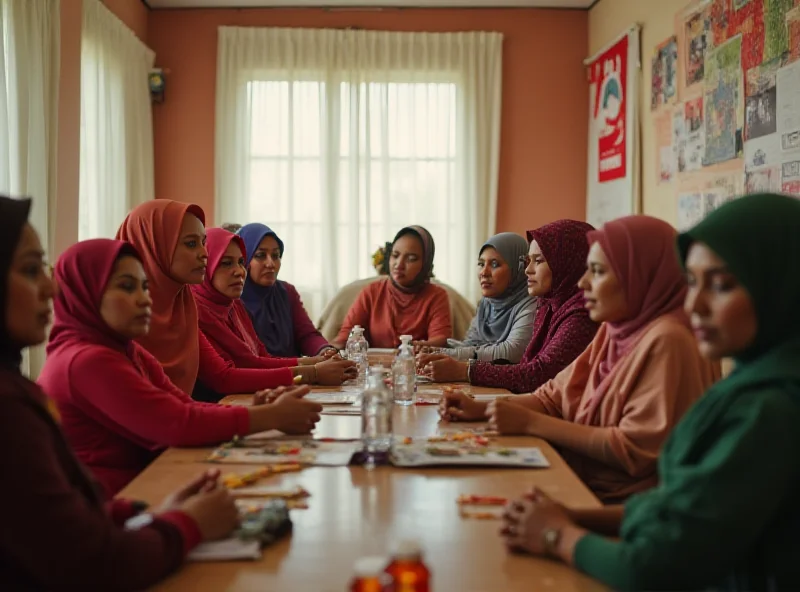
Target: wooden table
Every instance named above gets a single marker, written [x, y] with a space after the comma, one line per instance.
[354, 512]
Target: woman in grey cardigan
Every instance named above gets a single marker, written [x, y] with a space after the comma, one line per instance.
[502, 327]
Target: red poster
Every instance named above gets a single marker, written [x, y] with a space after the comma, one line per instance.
[609, 75]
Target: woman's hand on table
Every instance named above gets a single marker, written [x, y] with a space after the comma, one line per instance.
[330, 354]
[456, 406]
[528, 520]
[335, 372]
[291, 414]
[205, 481]
[425, 358]
[214, 512]
[446, 369]
[207, 503]
[509, 418]
[268, 396]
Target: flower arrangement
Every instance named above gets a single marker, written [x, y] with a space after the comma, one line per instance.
[379, 260]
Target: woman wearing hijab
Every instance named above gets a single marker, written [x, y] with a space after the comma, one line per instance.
[406, 303]
[724, 514]
[58, 534]
[279, 317]
[224, 320]
[118, 409]
[170, 238]
[503, 325]
[562, 328]
[610, 411]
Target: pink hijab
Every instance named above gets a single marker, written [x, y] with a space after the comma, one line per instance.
[224, 320]
[641, 252]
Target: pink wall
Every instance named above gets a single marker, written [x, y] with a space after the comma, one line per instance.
[131, 12]
[544, 119]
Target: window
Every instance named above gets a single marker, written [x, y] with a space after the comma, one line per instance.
[337, 139]
[394, 164]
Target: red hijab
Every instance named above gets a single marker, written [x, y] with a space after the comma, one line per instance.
[641, 252]
[225, 320]
[154, 229]
[82, 273]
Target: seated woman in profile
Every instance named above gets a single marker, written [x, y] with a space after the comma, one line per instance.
[224, 320]
[562, 328]
[406, 303]
[279, 317]
[170, 238]
[724, 514]
[118, 409]
[503, 325]
[58, 532]
[610, 411]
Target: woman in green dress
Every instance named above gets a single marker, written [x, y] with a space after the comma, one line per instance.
[725, 514]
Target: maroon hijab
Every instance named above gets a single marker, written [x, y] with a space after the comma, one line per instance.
[81, 274]
[565, 248]
[225, 320]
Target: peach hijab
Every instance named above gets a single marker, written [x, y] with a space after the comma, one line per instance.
[153, 228]
[641, 252]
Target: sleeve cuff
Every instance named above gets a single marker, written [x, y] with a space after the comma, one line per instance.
[242, 418]
[120, 509]
[190, 532]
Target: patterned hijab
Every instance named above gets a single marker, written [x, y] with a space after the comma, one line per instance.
[496, 315]
[565, 248]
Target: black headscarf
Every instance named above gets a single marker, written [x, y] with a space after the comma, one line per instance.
[13, 216]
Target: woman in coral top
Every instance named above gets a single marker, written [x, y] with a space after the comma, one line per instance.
[406, 303]
[118, 408]
[610, 411]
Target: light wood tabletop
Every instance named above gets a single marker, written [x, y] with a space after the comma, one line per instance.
[354, 512]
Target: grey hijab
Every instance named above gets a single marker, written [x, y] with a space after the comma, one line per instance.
[495, 316]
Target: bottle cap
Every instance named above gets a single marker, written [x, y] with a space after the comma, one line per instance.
[407, 549]
[369, 567]
[406, 338]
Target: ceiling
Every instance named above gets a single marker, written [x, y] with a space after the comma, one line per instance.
[370, 3]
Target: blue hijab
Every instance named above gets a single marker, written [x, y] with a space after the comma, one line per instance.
[269, 307]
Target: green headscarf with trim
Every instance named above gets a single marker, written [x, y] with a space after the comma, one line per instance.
[758, 237]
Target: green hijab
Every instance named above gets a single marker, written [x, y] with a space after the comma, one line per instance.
[758, 237]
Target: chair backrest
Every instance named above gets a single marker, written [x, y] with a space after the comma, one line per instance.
[331, 319]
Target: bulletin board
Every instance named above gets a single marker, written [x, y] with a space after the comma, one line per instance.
[725, 103]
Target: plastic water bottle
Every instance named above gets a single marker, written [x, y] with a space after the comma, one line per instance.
[349, 347]
[376, 416]
[357, 351]
[404, 373]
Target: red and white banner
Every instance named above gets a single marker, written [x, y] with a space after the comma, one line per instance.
[612, 182]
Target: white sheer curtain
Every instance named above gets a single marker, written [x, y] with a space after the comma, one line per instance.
[338, 138]
[116, 122]
[29, 65]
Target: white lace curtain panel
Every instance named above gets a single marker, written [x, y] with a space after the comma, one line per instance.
[339, 138]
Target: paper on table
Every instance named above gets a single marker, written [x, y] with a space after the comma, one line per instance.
[233, 549]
